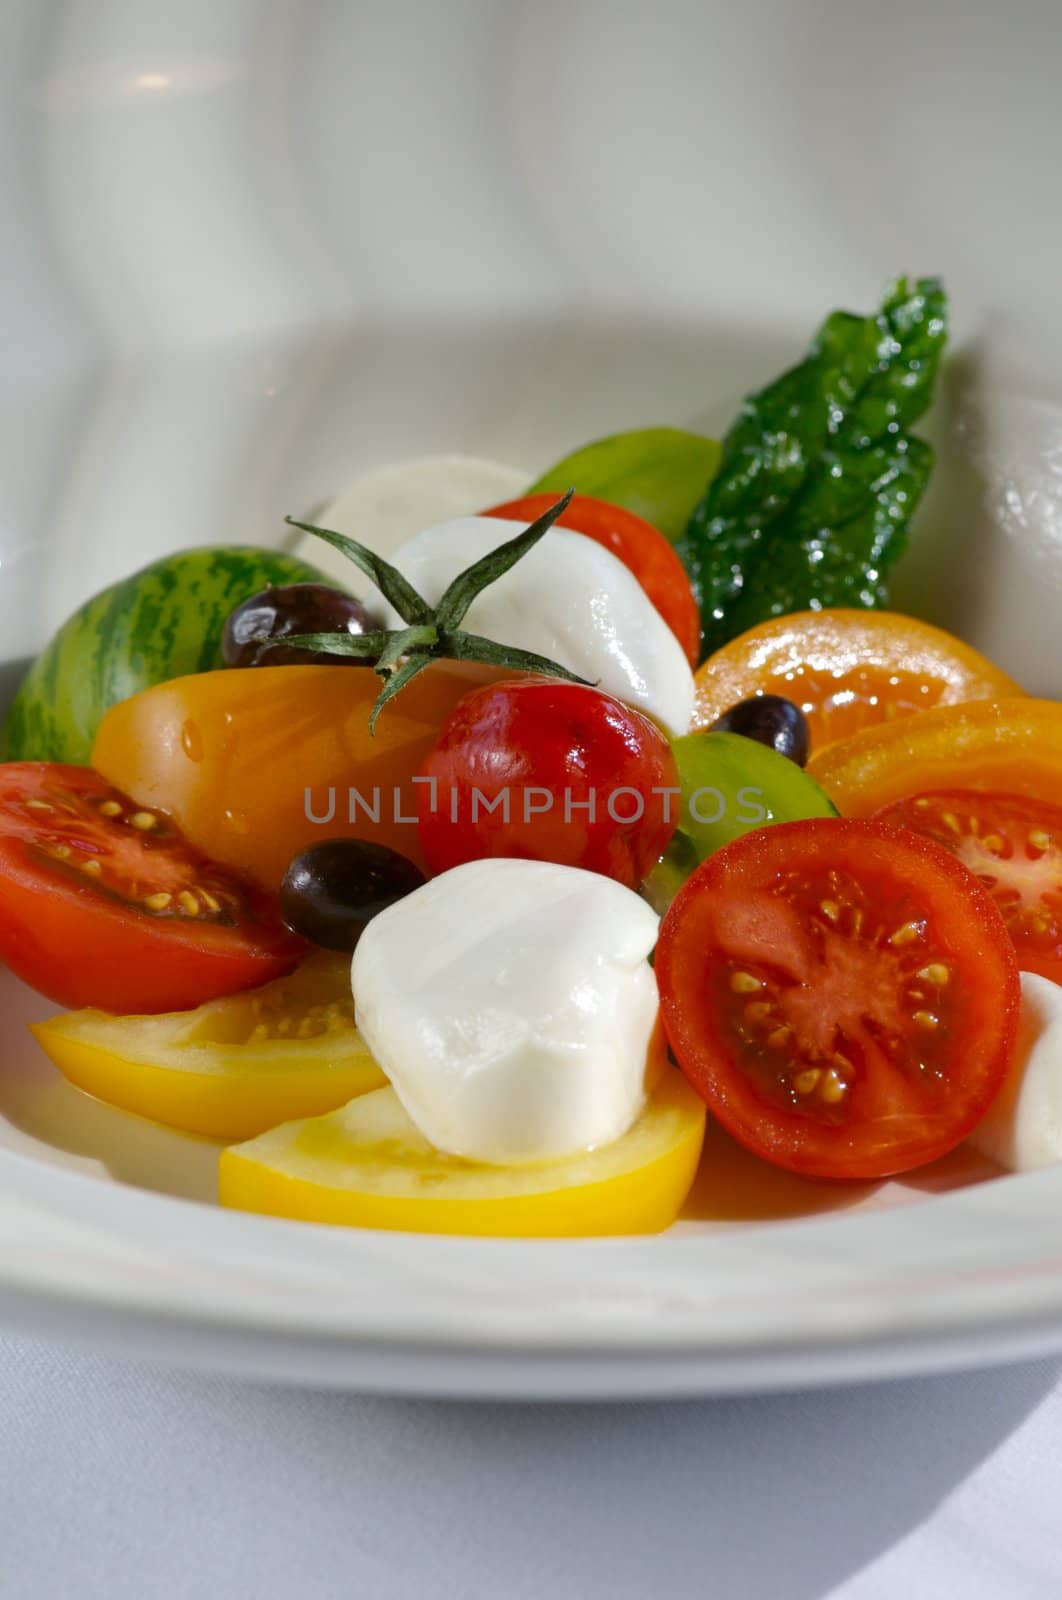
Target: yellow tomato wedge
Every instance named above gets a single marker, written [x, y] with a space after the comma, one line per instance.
[1011, 746]
[367, 1166]
[232, 1068]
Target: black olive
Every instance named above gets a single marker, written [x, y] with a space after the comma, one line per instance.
[333, 888]
[284, 609]
[771, 720]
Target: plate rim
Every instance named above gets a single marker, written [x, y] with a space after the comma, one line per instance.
[161, 1277]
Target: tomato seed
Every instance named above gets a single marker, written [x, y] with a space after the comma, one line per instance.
[110, 808]
[806, 1081]
[745, 983]
[188, 903]
[830, 910]
[926, 1020]
[158, 902]
[92, 867]
[936, 973]
[905, 934]
[144, 821]
[833, 1089]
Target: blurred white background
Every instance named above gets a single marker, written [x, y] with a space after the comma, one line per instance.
[253, 246]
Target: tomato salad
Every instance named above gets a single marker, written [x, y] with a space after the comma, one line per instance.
[460, 889]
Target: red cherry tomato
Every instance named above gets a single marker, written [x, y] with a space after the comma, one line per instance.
[104, 904]
[842, 994]
[639, 545]
[1014, 846]
[548, 771]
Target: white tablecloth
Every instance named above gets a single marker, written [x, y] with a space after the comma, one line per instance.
[118, 1482]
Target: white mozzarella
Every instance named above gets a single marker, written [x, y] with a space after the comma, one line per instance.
[1022, 1129]
[512, 1005]
[388, 505]
[568, 599]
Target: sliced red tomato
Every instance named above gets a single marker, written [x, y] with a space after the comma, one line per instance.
[639, 545]
[1014, 846]
[842, 994]
[105, 904]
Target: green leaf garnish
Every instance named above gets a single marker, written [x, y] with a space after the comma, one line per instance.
[432, 633]
[820, 475]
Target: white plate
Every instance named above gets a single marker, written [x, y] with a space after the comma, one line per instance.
[906, 1277]
[252, 250]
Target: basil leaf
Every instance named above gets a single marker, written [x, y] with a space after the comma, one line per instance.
[820, 476]
[658, 473]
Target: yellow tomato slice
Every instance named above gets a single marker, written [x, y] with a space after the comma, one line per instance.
[1013, 746]
[232, 1068]
[847, 670]
[367, 1166]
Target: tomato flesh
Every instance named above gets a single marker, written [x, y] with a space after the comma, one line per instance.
[104, 903]
[640, 546]
[842, 994]
[1014, 846]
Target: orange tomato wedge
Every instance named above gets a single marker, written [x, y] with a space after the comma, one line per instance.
[1011, 746]
[239, 757]
[847, 670]
[367, 1166]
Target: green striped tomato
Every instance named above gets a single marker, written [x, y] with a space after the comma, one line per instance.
[162, 622]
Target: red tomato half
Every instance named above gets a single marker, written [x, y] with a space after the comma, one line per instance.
[548, 771]
[103, 904]
[843, 994]
[639, 545]
[1014, 846]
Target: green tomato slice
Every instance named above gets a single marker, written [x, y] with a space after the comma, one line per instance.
[730, 785]
[660, 474]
